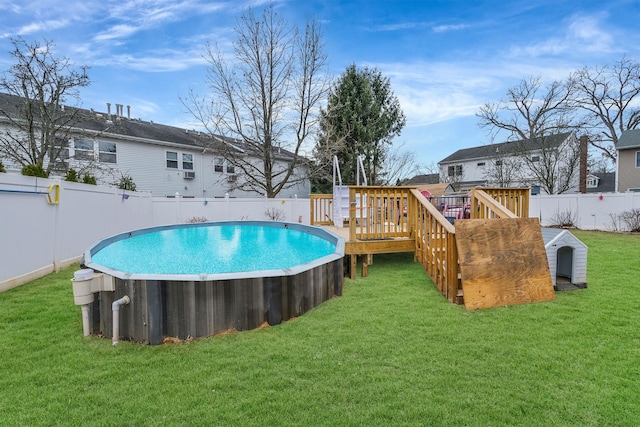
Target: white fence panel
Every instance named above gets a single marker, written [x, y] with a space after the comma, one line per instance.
[180, 210]
[38, 237]
[591, 211]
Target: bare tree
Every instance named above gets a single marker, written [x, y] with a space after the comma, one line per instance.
[539, 121]
[39, 125]
[503, 170]
[609, 95]
[399, 165]
[266, 97]
[552, 166]
[530, 111]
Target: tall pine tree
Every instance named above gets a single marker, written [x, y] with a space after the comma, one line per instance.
[361, 119]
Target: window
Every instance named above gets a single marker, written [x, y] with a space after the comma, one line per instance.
[218, 164]
[592, 182]
[172, 159]
[107, 152]
[480, 164]
[535, 158]
[454, 170]
[638, 159]
[498, 162]
[187, 161]
[230, 168]
[83, 149]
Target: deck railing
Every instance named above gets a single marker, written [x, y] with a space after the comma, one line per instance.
[435, 239]
[515, 200]
[321, 209]
[378, 212]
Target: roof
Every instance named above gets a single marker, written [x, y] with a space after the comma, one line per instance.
[506, 148]
[629, 139]
[431, 178]
[552, 236]
[436, 189]
[124, 127]
[606, 183]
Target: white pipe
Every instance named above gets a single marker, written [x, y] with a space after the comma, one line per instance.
[85, 319]
[115, 306]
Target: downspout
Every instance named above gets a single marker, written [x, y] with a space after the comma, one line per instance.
[115, 306]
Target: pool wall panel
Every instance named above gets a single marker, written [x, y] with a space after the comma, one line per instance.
[191, 309]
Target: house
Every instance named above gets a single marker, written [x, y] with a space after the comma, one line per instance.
[430, 178]
[628, 163]
[511, 164]
[164, 160]
[601, 182]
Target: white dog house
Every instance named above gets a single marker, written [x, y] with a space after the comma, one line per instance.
[567, 258]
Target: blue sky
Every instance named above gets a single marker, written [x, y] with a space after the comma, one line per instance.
[444, 58]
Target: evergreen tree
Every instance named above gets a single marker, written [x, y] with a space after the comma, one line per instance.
[361, 118]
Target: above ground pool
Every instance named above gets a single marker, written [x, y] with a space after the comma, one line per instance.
[193, 280]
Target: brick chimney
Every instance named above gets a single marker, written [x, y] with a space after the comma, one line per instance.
[584, 148]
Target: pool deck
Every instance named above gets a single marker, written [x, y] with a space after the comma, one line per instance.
[366, 248]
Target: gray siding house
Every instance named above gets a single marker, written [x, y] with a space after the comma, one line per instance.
[628, 164]
[161, 159]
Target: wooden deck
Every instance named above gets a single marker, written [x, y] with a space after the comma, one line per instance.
[401, 219]
[366, 248]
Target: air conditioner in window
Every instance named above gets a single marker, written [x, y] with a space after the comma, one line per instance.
[232, 178]
[189, 175]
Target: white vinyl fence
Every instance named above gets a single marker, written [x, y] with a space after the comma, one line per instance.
[591, 211]
[38, 237]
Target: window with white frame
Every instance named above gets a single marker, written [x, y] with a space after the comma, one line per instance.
[83, 149]
[218, 164]
[638, 159]
[592, 181]
[230, 168]
[480, 164]
[172, 159]
[107, 152]
[535, 158]
[454, 170]
[187, 161]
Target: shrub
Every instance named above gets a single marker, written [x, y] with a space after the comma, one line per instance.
[126, 183]
[89, 179]
[566, 219]
[275, 214]
[71, 176]
[196, 219]
[2, 169]
[632, 220]
[34, 170]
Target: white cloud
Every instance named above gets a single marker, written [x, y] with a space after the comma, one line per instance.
[581, 35]
[446, 28]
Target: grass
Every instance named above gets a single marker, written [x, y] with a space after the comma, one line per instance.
[390, 351]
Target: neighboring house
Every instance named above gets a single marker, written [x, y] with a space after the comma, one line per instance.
[503, 164]
[601, 182]
[161, 159]
[628, 163]
[431, 178]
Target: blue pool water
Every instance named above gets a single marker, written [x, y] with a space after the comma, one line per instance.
[213, 249]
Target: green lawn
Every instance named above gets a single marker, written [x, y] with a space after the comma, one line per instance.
[390, 351]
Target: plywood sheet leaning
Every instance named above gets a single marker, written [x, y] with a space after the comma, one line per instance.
[502, 262]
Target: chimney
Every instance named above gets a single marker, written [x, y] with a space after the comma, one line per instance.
[584, 148]
[108, 108]
[128, 111]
